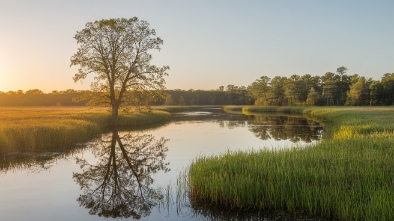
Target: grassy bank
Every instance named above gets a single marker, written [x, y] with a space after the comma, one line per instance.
[348, 176]
[27, 128]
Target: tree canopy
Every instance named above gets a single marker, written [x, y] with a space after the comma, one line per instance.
[117, 52]
[329, 89]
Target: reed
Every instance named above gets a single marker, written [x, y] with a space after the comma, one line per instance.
[32, 129]
[348, 176]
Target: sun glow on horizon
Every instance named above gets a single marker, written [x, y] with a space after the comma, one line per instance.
[5, 78]
[2, 78]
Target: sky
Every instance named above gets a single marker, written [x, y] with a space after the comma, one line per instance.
[207, 43]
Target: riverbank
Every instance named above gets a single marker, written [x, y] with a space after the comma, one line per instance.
[348, 176]
[35, 128]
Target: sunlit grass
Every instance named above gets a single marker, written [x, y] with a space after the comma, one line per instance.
[348, 176]
[26, 128]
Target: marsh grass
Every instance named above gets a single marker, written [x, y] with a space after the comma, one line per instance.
[32, 129]
[348, 176]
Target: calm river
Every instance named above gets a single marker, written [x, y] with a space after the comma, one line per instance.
[134, 174]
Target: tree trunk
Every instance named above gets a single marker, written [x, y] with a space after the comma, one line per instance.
[115, 111]
[114, 114]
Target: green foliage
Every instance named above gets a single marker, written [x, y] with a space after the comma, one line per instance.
[235, 96]
[376, 93]
[238, 96]
[313, 97]
[388, 88]
[258, 89]
[358, 94]
[348, 176]
[331, 89]
[117, 52]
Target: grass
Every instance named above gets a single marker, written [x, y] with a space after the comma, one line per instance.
[348, 176]
[32, 129]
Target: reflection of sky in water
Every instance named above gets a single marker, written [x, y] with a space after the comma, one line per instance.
[51, 194]
[187, 140]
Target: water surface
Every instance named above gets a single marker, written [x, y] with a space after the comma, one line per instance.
[133, 174]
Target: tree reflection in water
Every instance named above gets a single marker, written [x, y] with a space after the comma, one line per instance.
[120, 183]
[290, 128]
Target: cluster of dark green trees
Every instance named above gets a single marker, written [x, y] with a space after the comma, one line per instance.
[330, 89]
[231, 95]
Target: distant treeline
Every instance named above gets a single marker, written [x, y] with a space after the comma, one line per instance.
[232, 96]
[328, 90]
[36, 97]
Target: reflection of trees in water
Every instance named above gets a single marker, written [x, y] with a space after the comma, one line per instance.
[120, 183]
[265, 127]
[232, 124]
[290, 128]
[35, 162]
[188, 205]
[210, 212]
[25, 161]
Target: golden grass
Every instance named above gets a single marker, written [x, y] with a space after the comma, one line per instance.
[33, 128]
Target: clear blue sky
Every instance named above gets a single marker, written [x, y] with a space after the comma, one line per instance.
[207, 43]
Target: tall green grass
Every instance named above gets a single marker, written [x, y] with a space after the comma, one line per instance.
[32, 129]
[348, 176]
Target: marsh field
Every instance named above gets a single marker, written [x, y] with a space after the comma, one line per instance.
[348, 176]
[37, 128]
[265, 162]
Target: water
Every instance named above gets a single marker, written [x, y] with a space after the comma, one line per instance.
[133, 174]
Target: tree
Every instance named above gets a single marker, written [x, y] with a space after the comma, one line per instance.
[120, 184]
[293, 90]
[341, 71]
[343, 84]
[330, 88]
[169, 100]
[359, 93]
[181, 100]
[388, 87]
[117, 52]
[376, 93]
[307, 82]
[259, 89]
[313, 97]
[32, 91]
[276, 92]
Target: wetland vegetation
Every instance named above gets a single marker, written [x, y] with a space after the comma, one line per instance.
[114, 167]
[348, 176]
[35, 128]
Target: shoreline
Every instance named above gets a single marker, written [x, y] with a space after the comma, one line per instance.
[348, 176]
